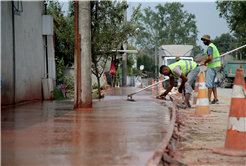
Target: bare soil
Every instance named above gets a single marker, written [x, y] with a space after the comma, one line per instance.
[207, 133]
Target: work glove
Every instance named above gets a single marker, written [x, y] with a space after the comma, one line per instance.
[163, 94]
[180, 89]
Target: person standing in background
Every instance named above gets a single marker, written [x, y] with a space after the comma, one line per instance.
[213, 61]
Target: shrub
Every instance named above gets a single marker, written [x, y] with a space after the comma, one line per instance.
[95, 86]
[103, 87]
[57, 94]
[69, 82]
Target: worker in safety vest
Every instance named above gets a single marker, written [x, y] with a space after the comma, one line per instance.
[187, 71]
[213, 62]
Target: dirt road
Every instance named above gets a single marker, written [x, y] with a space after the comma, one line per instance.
[206, 132]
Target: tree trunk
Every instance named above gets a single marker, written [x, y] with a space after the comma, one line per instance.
[99, 86]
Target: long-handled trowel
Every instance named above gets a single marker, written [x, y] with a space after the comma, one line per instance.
[129, 97]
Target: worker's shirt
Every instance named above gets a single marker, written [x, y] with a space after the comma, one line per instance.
[210, 51]
[177, 70]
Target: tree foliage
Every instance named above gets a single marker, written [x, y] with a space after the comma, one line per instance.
[131, 71]
[225, 42]
[234, 12]
[108, 31]
[64, 34]
[168, 24]
[63, 31]
[147, 61]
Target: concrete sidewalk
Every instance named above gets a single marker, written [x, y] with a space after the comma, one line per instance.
[114, 132]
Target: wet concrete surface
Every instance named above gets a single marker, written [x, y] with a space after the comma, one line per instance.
[113, 132]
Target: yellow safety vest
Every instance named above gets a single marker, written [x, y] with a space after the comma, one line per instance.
[216, 62]
[186, 67]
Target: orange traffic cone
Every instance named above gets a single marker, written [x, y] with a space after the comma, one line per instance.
[202, 103]
[235, 144]
[105, 78]
[153, 82]
[179, 83]
[196, 90]
[160, 84]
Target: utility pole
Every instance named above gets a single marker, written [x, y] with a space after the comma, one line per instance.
[124, 57]
[85, 31]
[156, 61]
[75, 54]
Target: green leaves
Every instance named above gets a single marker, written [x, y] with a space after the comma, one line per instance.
[63, 29]
[60, 67]
[147, 61]
[234, 12]
[108, 31]
[168, 24]
[225, 42]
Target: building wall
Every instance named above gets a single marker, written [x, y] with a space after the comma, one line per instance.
[70, 72]
[7, 63]
[51, 59]
[29, 53]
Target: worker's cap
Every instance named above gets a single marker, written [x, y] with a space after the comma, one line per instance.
[177, 58]
[207, 37]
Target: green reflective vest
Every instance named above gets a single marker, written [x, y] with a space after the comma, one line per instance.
[216, 62]
[186, 67]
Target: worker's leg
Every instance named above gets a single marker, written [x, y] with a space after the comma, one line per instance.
[191, 78]
[187, 96]
[209, 93]
[215, 93]
[210, 78]
[215, 70]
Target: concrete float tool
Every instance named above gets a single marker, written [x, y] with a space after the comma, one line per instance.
[129, 97]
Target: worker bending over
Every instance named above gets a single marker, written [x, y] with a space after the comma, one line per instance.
[187, 71]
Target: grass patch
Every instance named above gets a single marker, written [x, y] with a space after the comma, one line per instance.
[95, 95]
[103, 87]
[70, 93]
[58, 95]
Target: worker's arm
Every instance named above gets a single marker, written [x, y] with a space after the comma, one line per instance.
[170, 86]
[209, 59]
[184, 80]
[210, 55]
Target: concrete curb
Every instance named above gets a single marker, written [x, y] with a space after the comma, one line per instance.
[154, 161]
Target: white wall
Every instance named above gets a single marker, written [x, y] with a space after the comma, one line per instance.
[51, 59]
[7, 63]
[29, 52]
[70, 72]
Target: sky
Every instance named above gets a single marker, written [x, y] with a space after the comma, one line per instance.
[207, 17]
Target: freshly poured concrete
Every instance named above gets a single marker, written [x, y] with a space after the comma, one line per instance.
[113, 132]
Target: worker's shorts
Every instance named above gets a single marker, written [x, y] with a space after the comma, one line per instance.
[210, 77]
[191, 78]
